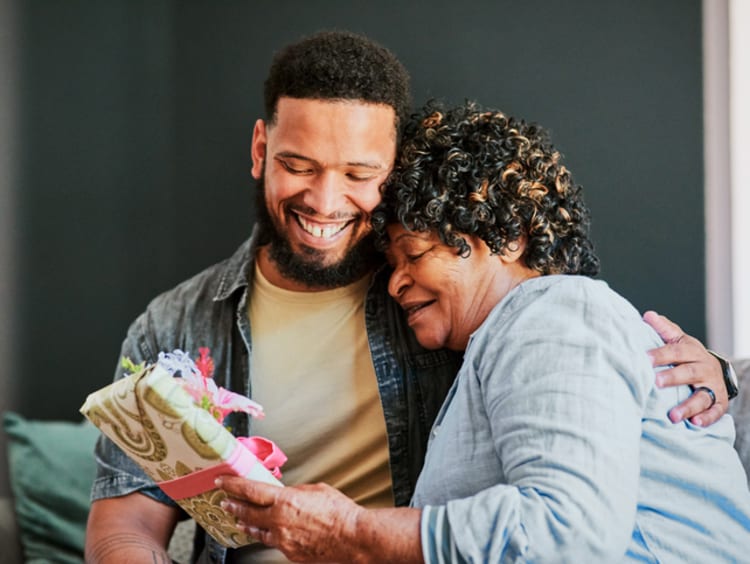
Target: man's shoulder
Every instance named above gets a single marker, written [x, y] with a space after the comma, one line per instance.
[190, 310]
[214, 283]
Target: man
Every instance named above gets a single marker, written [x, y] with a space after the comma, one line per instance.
[299, 318]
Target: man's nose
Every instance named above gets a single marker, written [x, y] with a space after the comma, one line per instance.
[325, 193]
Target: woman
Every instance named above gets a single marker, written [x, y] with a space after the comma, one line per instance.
[554, 444]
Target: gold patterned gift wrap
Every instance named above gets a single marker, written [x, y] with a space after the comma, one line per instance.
[180, 445]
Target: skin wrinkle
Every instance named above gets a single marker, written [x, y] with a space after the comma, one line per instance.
[116, 543]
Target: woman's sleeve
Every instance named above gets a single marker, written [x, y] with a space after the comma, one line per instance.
[438, 543]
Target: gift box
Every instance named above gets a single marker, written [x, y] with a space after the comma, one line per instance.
[180, 445]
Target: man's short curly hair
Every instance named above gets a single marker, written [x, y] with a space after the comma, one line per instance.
[338, 65]
[470, 171]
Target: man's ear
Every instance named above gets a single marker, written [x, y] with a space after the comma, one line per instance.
[258, 148]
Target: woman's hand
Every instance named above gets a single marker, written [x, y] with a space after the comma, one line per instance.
[307, 523]
[317, 523]
[694, 366]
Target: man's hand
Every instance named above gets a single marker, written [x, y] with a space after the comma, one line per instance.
[694, 366]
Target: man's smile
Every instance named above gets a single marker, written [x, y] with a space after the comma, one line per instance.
[321, 230]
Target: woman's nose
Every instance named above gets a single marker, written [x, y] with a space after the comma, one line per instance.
[398, 282]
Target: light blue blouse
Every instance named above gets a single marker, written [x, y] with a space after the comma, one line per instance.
[554, 444]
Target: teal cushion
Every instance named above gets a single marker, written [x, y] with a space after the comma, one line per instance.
[52, 467]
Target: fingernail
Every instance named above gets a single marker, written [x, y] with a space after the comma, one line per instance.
[659, 381]
[675, 416]
[226, 505]
[217, 482]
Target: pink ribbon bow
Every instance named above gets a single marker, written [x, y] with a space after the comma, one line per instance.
[267, 452]
[249, 451]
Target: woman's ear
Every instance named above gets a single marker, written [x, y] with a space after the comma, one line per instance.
[258, 149]
[513, 251]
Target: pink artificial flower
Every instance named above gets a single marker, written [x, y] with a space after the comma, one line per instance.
[218, 401]
[197, 380]
[205, 363]
[225, 402]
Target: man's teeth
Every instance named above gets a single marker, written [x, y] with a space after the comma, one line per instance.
[324, 232]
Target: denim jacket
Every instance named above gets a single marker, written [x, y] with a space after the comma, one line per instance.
[210, 310]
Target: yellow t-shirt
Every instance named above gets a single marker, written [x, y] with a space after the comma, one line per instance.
[312, 372]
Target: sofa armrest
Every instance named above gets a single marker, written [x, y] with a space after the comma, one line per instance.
[739, 409]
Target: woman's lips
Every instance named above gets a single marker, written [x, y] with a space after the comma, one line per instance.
[413, 310]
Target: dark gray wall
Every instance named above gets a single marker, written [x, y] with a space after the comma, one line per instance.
[137, 115]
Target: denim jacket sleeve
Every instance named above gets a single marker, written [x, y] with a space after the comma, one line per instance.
[117, 474]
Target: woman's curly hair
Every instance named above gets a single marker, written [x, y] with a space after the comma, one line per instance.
[470, 171]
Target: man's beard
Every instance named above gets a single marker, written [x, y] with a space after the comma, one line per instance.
[307, 267]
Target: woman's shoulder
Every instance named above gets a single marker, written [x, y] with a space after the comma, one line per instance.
[564, 303]
[561, 324]
[563, 290]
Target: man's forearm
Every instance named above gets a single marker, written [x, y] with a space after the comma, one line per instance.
[132, 529]
[126, 547]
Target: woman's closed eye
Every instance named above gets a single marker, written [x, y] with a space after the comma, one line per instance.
[414, 257]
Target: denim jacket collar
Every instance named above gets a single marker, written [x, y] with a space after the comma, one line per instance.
[239, 270]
